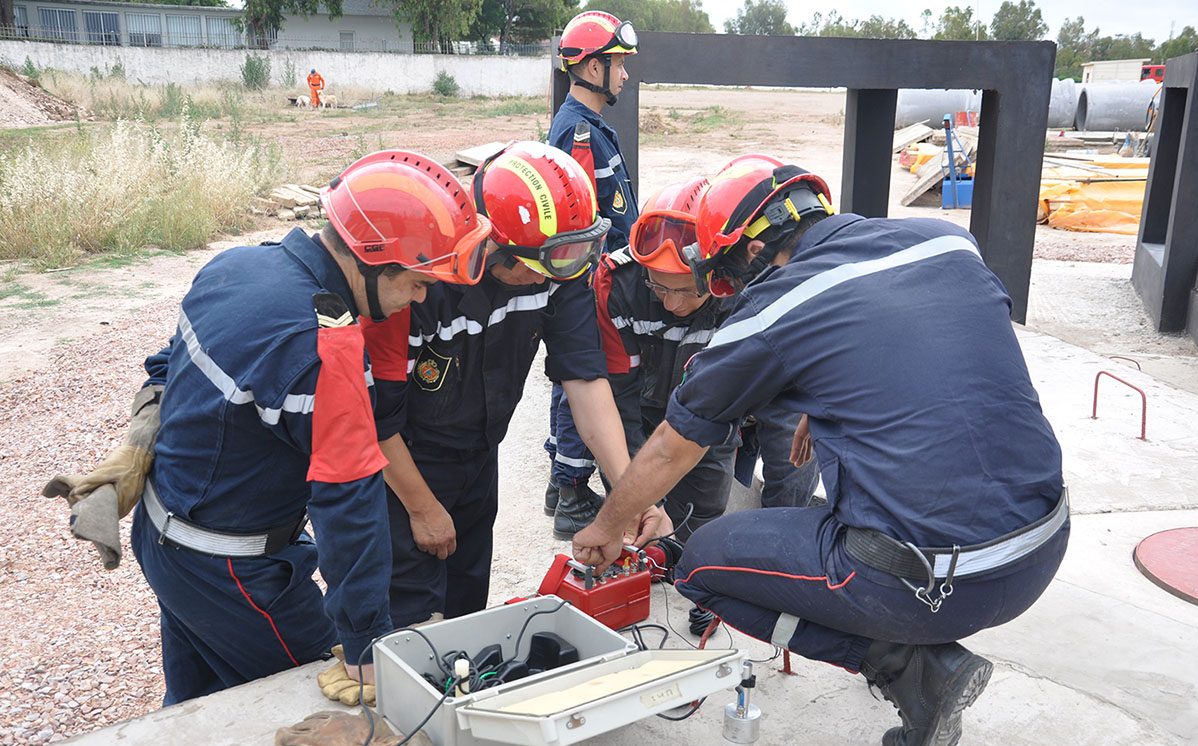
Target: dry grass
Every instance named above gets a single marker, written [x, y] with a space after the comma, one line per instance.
[125, 187]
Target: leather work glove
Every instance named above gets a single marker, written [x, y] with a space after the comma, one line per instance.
[336, 683]
[99, 500]
[329, 728]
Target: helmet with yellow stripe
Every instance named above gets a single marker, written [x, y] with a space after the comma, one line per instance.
[542, 208]
[754, 197]
[594, 33]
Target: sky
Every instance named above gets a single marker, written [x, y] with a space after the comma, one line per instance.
[1111, 16]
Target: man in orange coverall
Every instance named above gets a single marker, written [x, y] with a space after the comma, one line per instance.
[315, 86]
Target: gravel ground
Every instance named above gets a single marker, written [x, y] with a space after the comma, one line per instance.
[80, 645]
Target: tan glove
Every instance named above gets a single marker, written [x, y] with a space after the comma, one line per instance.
[99, 500]
[340, 729]
[336, 683]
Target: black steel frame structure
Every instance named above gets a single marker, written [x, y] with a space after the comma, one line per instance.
[1166, 264]
[1015, 77]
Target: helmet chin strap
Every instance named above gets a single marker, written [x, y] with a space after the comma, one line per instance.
[605, 89]
[371, 274]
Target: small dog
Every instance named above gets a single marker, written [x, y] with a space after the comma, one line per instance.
[303, 101]
[328, 101]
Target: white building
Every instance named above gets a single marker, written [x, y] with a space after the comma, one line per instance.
[361, 28]
[1094, 72]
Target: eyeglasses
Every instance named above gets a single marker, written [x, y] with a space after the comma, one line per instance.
[665, 291]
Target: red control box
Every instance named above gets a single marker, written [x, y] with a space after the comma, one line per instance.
[616, 598]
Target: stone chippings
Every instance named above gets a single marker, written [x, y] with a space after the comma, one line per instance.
[79, 646]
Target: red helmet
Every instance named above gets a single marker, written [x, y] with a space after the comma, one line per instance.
[666, 226]
[732, 207]
[595, 32]
[542, 208]
[399, 207]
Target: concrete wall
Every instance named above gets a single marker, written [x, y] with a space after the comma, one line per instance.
[400, 73]
[371, 34]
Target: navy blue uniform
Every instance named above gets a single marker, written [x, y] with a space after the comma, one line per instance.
[467, 351]
[896, 340]
[646, 348]
[237, 453]
[572, 462]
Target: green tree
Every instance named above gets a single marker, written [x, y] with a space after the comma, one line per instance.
[1074, 48]
[1122, 47]
[760, 18]
[521, 21]
[198, 3]
[438, 21]
[958, 23]
[686, 16]
[1183, 43]
[1018, 22]
[874, 27]
[262, 17]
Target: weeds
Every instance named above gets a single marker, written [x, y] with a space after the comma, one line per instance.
[711, 118]
[445, 85]
[516, 107]
[127, 187]
[255, 73]
[29, 70]
[290, 74]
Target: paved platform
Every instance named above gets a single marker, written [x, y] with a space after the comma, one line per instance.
[1105, 657]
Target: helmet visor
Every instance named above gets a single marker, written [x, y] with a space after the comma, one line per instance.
[464, 265]
[658, 238]
[566, 255]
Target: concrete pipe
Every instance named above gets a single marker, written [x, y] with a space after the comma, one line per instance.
[1062, 106]
[930, 106]
[1114, 106]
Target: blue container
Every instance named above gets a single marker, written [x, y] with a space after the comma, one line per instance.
[964, 193]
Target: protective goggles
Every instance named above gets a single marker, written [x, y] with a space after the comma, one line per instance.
[464, 265]
[624, 36]
[658, 238]
[709, 274]
[564, 255]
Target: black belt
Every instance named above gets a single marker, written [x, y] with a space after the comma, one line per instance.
[188, 535]
[907, 561]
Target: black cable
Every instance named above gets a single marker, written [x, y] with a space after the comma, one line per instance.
[684, 717]
[524, 628]
[774, 657]
[428, 717]
[690, 509]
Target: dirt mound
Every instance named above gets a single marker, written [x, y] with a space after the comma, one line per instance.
[24, 103]
[654, 123]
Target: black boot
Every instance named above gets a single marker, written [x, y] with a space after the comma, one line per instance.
[577, 506]
[551, 495]
[930, 685]
[700, 620]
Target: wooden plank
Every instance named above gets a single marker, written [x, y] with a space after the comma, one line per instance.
[479, 153]
[301, 197]
[929, 175]
[907, 135]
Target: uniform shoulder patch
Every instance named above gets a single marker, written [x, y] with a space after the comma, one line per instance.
[331, 311]
[620, 257]
[582, 132]
[618, 203]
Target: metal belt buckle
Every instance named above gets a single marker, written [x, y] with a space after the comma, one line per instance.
[165, 525]
[924, 593]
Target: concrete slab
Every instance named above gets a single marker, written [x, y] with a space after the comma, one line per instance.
[1104, 657]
